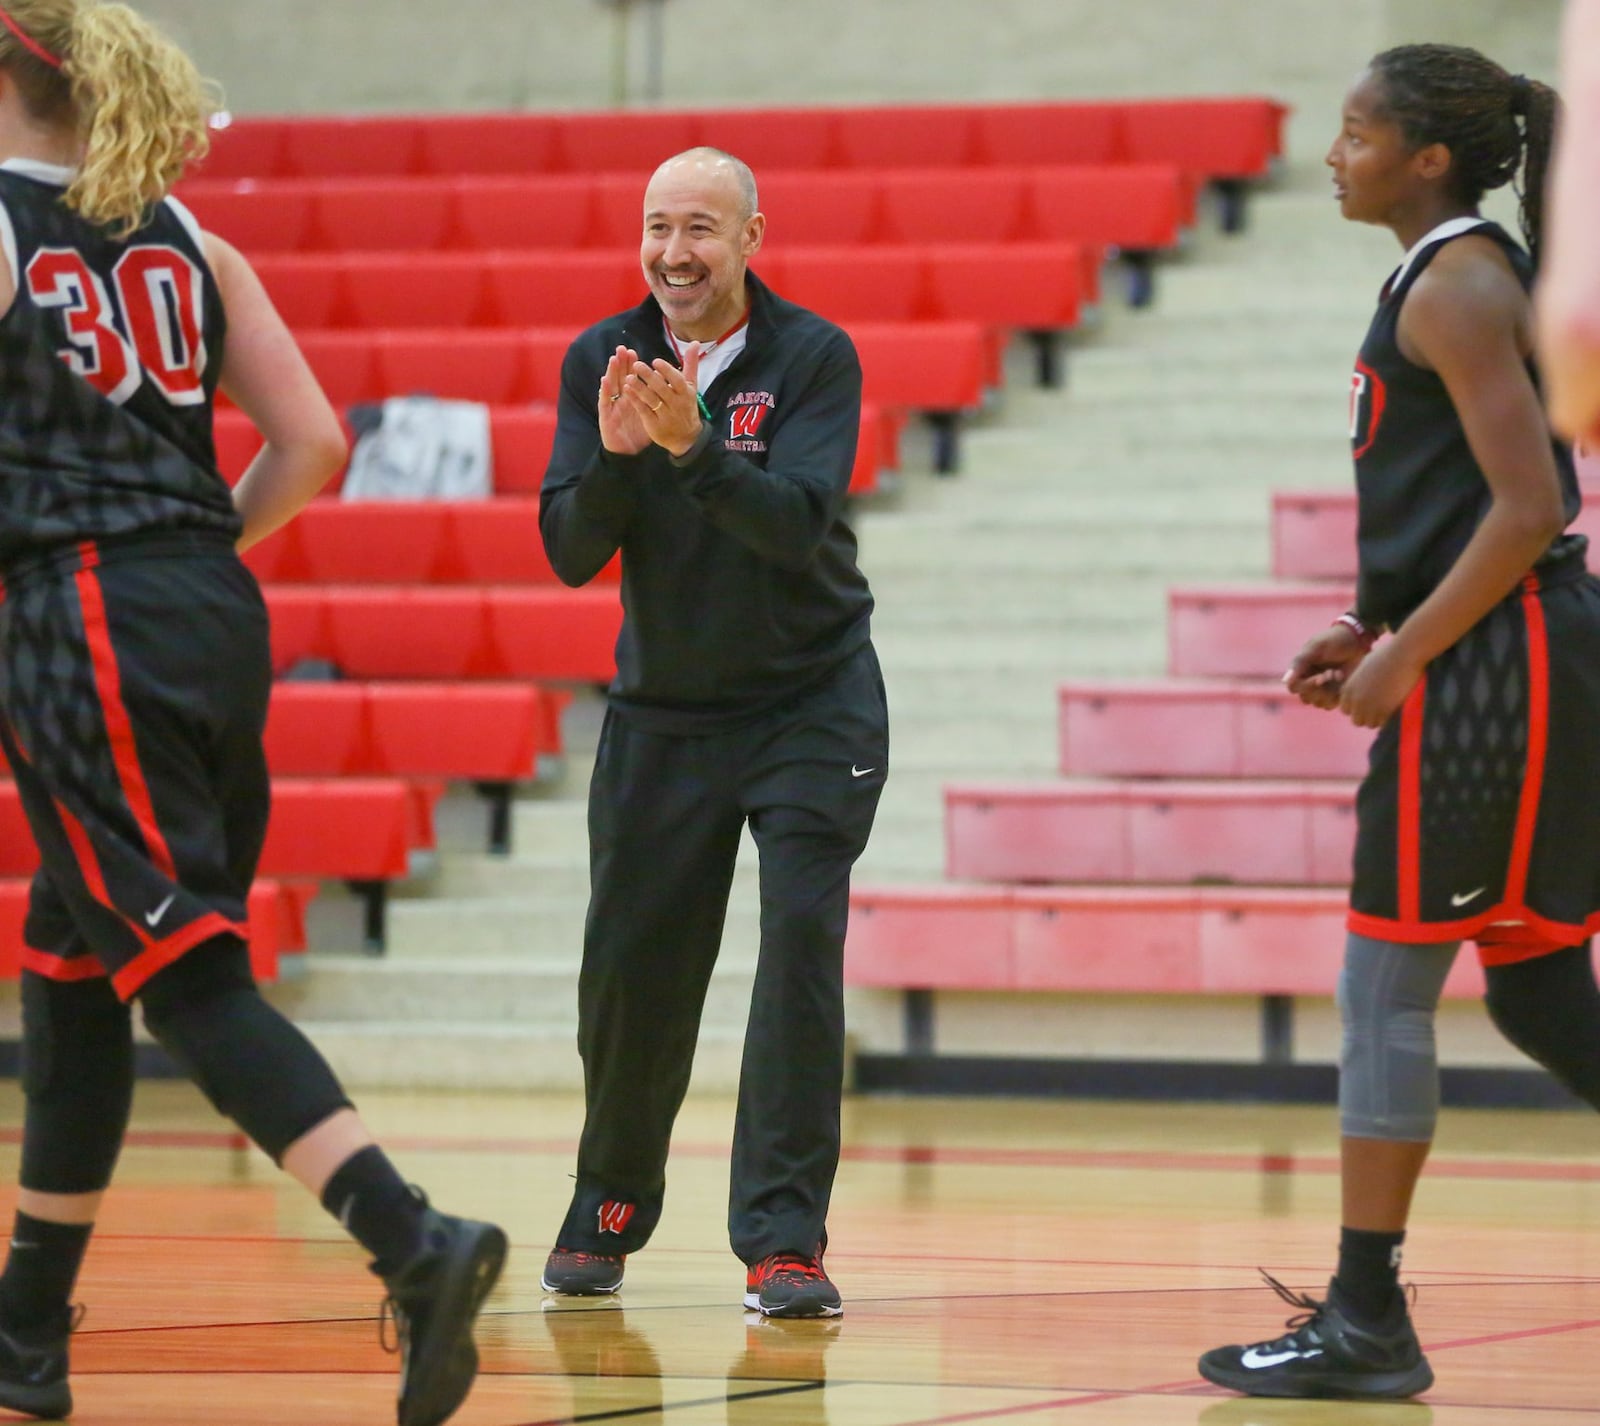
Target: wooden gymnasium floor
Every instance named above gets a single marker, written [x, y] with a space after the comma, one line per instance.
[1039, 1262]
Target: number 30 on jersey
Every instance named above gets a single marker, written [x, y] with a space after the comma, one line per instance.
[153, 331]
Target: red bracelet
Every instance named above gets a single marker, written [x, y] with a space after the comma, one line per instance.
[1365, 636]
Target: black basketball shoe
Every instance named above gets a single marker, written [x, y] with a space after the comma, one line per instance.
[791, 1285]
[1326, 1353]
[579, 1274]
[434, 1300]
[33, 1367]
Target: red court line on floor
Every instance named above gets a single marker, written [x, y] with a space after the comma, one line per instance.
[1554, 1330]
[1164, 1161]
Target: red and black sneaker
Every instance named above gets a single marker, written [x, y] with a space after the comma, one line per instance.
[579, 1274]
[791, 1285]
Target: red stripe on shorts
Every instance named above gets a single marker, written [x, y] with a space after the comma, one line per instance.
[1409, 829]
[119, 726]
[1538, 738]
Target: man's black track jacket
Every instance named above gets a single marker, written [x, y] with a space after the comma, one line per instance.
[739, 578]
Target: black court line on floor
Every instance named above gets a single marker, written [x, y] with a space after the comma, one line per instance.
[662, 1408]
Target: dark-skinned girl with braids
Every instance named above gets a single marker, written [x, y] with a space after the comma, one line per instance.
[1479, 817]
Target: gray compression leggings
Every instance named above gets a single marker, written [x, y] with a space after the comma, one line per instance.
[1389, 1067]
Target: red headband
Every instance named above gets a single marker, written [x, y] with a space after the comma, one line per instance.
[27, 41]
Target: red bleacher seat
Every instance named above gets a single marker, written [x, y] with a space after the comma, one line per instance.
[384, 214]
[17, 854]
[1154, 940]
[1274, 833]
[548, 289]
[307, 290]
[454, 144]
[365, 146]
[237, 442]
[1142, 207]
[555, 633]
[352, 828]
[1003, 285]
[622, 142]
[415, 289]
[494, 542]
[1314, 534]
[483, 732]
[371, 541]
[618, 211]
[1224, 942]
[1033, 286]
[476, 365]
[277, 558]
[522, 438]
[255, 220]
[906, 136]
[1050, 133]
[420, 731]
[921, 366]
[1245, 630]
[546, 211]
[545, 348]
[879, 284]
[870, 464]
[409, 632]
[299, 625]
[376, 632]
[984, 205]
[772, 139]
[268, 930]
[318, 730]
[827, 207]
[1314, 531]
[1203, 729]
[1212, 137]
[345, 365]
[940, 937]
[255, 148]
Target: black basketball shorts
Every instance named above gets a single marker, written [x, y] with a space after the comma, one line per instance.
[134, 679]
[1479, 818]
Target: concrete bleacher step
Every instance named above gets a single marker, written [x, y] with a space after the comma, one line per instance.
[1272, 833]
[491, 990]
[1115, 379]
[934, 742]
[1018, 569]
[1112, 641]
[470, 1054]
[1201, 729]
[535, 930]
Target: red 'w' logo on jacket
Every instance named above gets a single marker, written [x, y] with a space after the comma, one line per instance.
[746, 421]
[614, 1216]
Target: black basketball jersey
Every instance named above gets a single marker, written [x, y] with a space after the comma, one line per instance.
[109, 358]
[1420, 491]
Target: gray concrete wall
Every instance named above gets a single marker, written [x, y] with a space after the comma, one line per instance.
[276, 56]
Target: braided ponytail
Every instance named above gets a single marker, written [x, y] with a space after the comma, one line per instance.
[1494, 123]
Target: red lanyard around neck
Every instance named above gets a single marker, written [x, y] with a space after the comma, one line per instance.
[706, 348]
